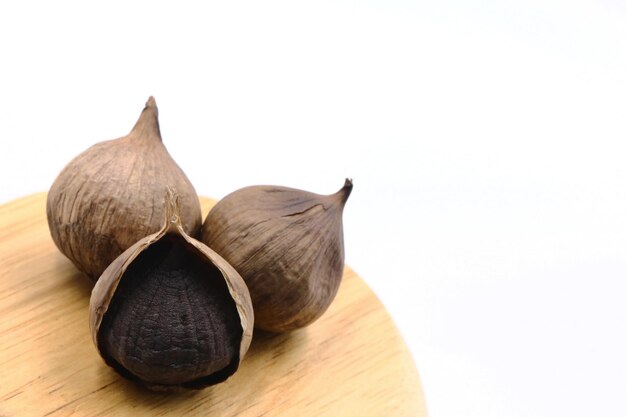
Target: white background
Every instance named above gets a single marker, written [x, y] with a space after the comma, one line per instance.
[486, 140]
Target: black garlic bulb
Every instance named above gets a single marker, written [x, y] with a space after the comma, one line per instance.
[171, 313]
[287, 244]
[111, 195]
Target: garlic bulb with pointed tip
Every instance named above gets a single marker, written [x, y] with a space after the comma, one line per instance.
[110, 196]
[287, 244]
[171, 313]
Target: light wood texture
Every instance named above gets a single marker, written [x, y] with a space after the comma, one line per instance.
[351, 362]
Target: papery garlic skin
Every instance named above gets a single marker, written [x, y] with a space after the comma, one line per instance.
[111, 195]
[287, 245]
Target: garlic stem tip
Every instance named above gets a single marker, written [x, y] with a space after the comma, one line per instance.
[346, 190]
[148, 121]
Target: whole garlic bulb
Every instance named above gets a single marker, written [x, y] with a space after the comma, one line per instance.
[110, 196]
[287, 245]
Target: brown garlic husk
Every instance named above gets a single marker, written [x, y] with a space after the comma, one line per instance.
[287, 244]
[171, 313]
[111, 195]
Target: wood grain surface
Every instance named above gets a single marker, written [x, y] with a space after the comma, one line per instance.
[351, 362]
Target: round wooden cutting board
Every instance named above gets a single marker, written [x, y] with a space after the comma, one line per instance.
[351, 362]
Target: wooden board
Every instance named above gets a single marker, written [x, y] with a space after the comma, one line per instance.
[351, 362]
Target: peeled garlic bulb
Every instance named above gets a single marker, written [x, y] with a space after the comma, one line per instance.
[171, 313]
[111, 195]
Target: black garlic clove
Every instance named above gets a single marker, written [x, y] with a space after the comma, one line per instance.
[169, 312]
